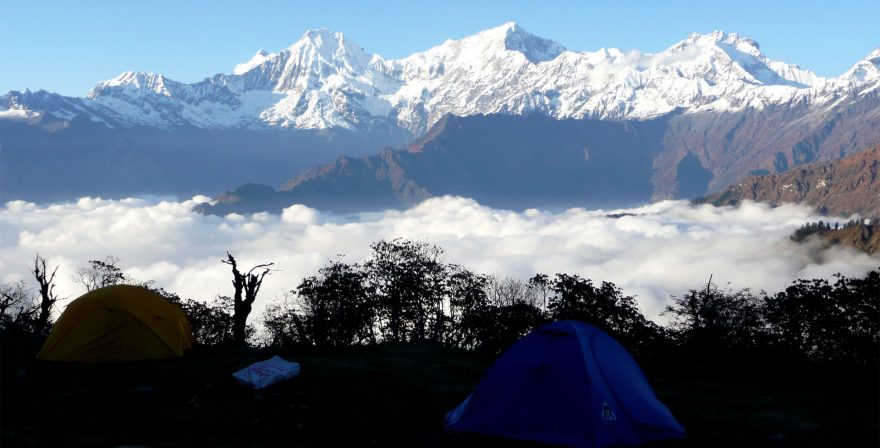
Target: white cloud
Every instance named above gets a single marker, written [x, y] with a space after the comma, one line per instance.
[662, 249]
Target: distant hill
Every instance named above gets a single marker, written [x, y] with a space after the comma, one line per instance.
[840, 187]
[536, 161]
[860, 234]
[501, 161]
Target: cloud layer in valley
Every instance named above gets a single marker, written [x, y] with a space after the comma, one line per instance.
[652, 252]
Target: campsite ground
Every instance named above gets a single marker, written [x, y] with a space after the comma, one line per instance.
[396, 396]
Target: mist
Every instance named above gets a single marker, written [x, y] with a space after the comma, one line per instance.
[651, 252]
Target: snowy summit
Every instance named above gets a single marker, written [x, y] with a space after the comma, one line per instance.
[324, 80]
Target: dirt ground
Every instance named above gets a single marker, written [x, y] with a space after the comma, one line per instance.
[394, 396]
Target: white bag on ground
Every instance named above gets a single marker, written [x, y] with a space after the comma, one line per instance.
[266, 373]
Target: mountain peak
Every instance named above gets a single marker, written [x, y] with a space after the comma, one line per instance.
[258, 58]
[315, 44]
[535, 48]
[133, 79]
[320, 33]
[514, 37]
[331, 45]
[866, 70]
[503, 30]
[742, 58]
[323, 37]
[745, 44]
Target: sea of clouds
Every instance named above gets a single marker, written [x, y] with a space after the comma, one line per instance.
[652, 252]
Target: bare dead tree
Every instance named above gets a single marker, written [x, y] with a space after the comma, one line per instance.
[247, 286]
[508, 291]
[47, 292]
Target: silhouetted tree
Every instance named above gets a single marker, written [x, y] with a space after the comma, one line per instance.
[407, 280]
[509, 291]
[828, 321]
[540, 284]
[604, 306]
[712, 318]
[514, 311]
[337, 307]
[511, 322]
[46, 282]
[100, 274]
[211, 323]
[247, 286]
[17, 310]
[284, 323]
[405, 293]
[470, 313]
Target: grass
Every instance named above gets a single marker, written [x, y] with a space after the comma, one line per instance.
[393, 396]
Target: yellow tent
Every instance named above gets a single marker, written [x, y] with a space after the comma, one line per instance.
[118, 323]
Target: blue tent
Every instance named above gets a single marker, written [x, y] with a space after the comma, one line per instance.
[567, 383]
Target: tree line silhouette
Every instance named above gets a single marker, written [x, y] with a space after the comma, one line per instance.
[867, 226]
[406, 293]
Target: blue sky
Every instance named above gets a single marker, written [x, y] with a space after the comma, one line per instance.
[68, 46]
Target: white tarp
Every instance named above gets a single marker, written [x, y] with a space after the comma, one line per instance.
[266, 373]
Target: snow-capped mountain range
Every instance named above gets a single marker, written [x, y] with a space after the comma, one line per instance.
[324, 80]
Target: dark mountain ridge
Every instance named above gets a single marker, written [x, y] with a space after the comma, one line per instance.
[502, 161]
[841, 187]
[773, 139]
[535, 161]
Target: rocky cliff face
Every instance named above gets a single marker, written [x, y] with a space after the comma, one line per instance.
[841, 187]
[734, 145]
